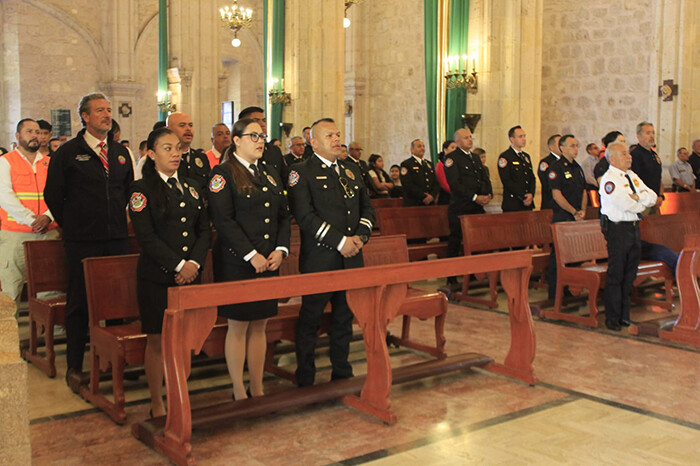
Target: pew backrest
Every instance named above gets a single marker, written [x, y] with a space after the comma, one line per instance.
[579, 241]
[670, 230]
[680, 202]
[46, 266]
[489, 232]
[414, 222]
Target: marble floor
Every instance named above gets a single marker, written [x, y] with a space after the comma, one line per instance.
[603, 398]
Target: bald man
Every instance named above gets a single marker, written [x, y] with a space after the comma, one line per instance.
[195, 163]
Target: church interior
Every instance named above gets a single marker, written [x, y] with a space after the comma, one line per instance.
[543, 386]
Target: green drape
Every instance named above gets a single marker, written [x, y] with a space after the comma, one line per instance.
[456, 101]
[162, 51]
[274, 112]
[431, 63]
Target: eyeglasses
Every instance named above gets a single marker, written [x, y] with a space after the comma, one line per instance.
[349, 192]
[255, 137]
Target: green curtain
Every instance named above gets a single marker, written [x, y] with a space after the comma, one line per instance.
[431, 63]
[456, 99]
[274, 112]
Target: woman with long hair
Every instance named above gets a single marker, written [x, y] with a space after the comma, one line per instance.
[172, 228]
[448, 147]
[381, 182]
[249, 209]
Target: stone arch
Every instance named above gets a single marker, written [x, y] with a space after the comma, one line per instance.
[153, 20]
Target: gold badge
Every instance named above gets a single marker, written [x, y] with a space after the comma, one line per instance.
[198, 162]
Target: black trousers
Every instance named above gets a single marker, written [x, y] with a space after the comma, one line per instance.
[307, 333]
[77, 319]
[624, 252]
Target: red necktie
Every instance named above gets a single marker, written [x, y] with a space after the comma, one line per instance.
[103, 157]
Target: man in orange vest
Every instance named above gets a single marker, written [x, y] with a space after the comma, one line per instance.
[220, 140]
[23, 212]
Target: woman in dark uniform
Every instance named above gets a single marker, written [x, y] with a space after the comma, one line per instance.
[172, 227]
[249, 210]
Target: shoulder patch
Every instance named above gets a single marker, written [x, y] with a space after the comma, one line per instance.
[449, 162]
[293, 178]
[122, 159]
[137, 202]
[404, 171]
[198, 162]
[217, 183]
[194, 192]
[544, 166]
[609, 187]
[552, 175]
[502, 162]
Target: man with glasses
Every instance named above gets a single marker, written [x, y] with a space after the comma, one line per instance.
[331, 205]
[296, 151]
[272, 155]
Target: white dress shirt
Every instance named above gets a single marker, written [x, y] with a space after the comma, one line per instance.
[615, 196]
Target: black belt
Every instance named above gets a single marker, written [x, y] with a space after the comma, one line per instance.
[631, 222]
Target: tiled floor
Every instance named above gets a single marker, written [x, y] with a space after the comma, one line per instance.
[604, 398]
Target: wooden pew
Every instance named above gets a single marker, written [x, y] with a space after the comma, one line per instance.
[680, 202]
[576, 242]
[382, 203]
[670, 230]
[374, 295]
[417, 223]
[46, 271]
[111, 293]
[493, 232]
[686, 329]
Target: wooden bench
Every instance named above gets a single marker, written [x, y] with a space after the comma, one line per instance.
[47, 272]
[493, 232]
[583, 242]
[670, 230]
[375, 295]
[111, 293]
[417, 223]
[383, 203]
[686, 328]
[680, 202]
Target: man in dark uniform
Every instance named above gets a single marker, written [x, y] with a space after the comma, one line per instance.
[515, 170]
[272, 155]
[308, 150]
[335, 216]
[694, 161]
[86, 190]
[602, 166]
[646, 162]
[195, 163]
[543, 169]
[623, 197]
[420, 186]
[568, 185]
[296, 152]
[470, 188]
[355, 156]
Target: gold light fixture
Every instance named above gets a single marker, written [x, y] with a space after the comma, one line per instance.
[164, 104]
[348, 4]
[457, 73]
[236, 18]
[277, 94]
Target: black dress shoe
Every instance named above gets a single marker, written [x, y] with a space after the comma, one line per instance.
[613, 325]
[626, 322]
[74, 378]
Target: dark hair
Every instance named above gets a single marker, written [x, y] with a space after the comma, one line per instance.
[247, 111]
[564, 138]
[478, 151]
[272, 141]
[588, 147]
[610, 137]
[115, 129]
[241, 175]
[22, 122]
[322, 120]
[446, 144]
[553, 138]
[43, 124]
[342, 145]
[511, 132]
[373, 159]
[151, 177]
[54, 139]
[159, 124]
[305, 128]
[392, 167]
[142, 144]
[125, 141]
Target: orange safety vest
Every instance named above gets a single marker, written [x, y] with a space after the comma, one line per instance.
[28, 187]
[213, 161]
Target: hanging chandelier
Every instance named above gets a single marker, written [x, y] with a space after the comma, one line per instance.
[236, 18]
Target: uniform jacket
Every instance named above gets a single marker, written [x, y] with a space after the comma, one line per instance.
[258, 220]
[466, 176]
[195, 166]
[568, 178]
[418, 179]
[272, 159]
[542, 170]
[181, 234]
[517, 179]
[647, 165]
[325, 213]
[87, 204]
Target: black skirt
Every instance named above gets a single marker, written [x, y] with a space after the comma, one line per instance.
[226, 271]
[153, 300]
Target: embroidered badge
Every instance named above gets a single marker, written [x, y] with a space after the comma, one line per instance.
[122, 159]
[271, 180]
[137, 202]
[198, 162]
[502, 162]
[544, 166]
[552, 175]
[293, 178]
[404, 171]
[609, 187]
[217, 183]
[449, 162]
[349, 174]
[194, 192]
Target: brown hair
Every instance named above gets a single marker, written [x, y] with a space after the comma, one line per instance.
[241, 175]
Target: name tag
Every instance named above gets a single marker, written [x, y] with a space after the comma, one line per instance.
[515, 163]
[567, 175]
[682, 170]
[82, 158]
[321, 177]
[416, 168]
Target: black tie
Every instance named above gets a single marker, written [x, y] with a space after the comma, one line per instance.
[335, 168]
[256, 173]
[634, 191]
[173, 184]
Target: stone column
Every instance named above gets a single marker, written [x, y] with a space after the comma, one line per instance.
[314, 62]
[10, 84]
[14, 400]
[507, 38]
